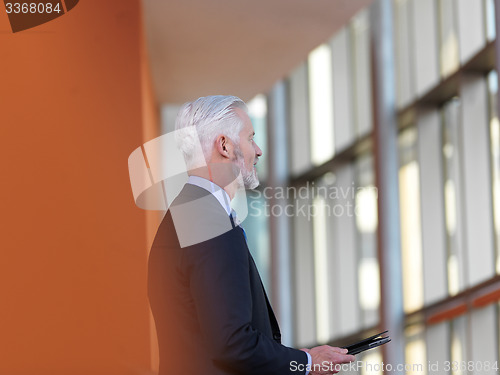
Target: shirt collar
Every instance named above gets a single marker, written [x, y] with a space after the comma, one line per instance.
[218, 192]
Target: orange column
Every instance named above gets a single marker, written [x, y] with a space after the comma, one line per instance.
[73, 244]
[151, 130]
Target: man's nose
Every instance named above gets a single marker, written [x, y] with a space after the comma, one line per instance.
[258, 151]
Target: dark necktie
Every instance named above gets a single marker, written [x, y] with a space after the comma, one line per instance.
[235, 222]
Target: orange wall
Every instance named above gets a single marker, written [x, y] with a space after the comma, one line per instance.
[73, 244]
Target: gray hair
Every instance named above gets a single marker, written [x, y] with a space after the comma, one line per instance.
[200, 122]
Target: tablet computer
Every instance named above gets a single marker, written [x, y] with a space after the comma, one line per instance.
[368, 343]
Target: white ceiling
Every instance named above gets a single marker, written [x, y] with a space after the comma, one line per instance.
[236, 47]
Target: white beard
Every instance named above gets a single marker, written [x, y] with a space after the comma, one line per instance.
[250, 179]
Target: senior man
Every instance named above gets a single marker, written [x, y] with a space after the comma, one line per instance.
[210, 308]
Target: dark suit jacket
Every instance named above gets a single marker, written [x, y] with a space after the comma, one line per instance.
[211, 312]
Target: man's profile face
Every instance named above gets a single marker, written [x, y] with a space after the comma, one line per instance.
[247, 152]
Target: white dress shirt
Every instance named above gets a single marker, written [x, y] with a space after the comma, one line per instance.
[215, 189]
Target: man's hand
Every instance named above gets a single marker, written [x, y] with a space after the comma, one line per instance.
[327, 359]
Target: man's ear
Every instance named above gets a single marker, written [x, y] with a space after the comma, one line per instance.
[223, 146]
